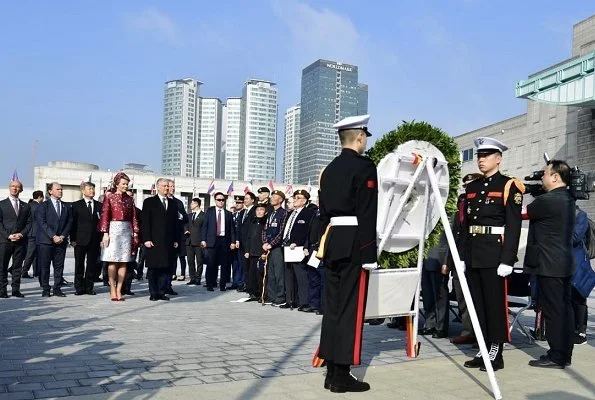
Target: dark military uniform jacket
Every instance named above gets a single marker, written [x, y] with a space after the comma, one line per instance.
[274, 227]
[491, 202]
[349, 187]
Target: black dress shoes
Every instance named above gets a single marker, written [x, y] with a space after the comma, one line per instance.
[59, 293]
[3, 295]
[426, 331]
[439, 335]
[79, 293]
[375, 321]
[153, 298]
[232, 287]
[546, 357]
[171, 292]
[18, 294]
[319, 312]
[476, 362]
[305, 308]
[65, 282]
[191, 283]
[210, 289]
[287, 305]
[350, 385]
[91, 293]
[546, 363]
[46, 293]
[129, 293]
[223, 289]
[497, 364]
[164, 297]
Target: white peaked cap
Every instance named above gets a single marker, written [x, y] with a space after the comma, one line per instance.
[488, 144]
[355, 122]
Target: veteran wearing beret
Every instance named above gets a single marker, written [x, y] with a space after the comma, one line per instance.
[490, 233]
[272, 239]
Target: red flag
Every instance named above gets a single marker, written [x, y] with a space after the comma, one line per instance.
[271, 185]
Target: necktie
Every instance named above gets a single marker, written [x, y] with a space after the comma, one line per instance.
[90, 207]
[290, 225]
[193, 216]
[16, 206]
[218, 222]
[165, 204]
[58, 208]
[244, 216]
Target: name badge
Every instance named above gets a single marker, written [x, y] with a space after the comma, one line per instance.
[274, 225]
[301, 221]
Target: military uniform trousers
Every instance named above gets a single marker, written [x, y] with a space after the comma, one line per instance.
[489, 294]
[296, 277]
[345, 295]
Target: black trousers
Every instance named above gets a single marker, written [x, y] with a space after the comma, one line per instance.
[245, 269]
[31, 257]
[467, 326]
[16, 251]
[434, 289]
[218, 255]
[296, 283]
[581, 313]
[84, 274]
[252, 282]
[130, 272]
[345, 293]
[555, 299]
[316, 287]
[140, 267]
[194, 254]
[157, 278]
[489, 293]
[275, 279]
[53, 254]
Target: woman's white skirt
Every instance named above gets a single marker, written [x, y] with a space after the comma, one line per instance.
[119, 249]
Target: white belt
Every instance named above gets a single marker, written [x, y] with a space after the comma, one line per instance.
[486, 230]
[343, 221]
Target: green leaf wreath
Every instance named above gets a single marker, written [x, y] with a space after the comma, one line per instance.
[420, 131]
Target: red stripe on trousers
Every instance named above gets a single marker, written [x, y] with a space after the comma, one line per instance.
[506, 309]
[359, 315]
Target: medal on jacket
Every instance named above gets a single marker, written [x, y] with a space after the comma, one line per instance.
[469, 210]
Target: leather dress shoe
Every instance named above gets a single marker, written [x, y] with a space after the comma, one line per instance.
[18, 294]
[426, 331]
[191, 283]
[129, 293]
[223, 289]
[305, 308]
[79, 293]
[546, 363]
[439, 335]
[3, 295]
[497, 364]
[467, 339]
[350, 385]
[46, 293]
[232, 287]
[210, 289]
[91, 293]
[476, 362]
[287, 305]
[547, 357]
[171, 292]
[375, 321]
[59, 293]
[164, 297]
[319, 312]
[153, 298]
[65, 282]
[396, 324]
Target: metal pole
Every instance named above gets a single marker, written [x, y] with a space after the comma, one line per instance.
[402, 202]
[459, 267]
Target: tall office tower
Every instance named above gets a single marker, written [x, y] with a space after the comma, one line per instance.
[258, 130]
[180, 119]
[208, 155]
[231, 128]
[291, 144]
[330, 92]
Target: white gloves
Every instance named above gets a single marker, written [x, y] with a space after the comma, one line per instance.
[370, 266]
[464, 266]
[504, 270]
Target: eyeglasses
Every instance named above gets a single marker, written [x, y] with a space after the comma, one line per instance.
[219, 199]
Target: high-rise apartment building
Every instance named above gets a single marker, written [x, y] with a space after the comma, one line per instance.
[330, 92]
[258, 129]
[208, 155]
[231, 129]
[291, 145]
[180, 119]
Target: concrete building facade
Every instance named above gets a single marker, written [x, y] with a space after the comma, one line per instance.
[231, 129]
[291, 145]
[208, 149]
[559, 123]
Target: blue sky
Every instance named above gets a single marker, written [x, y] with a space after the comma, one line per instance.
[85, 79]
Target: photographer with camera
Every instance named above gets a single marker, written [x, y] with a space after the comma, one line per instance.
[549, 256]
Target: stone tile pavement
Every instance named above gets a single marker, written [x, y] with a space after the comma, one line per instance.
[205, 343]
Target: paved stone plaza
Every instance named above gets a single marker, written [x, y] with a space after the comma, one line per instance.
[204, 345]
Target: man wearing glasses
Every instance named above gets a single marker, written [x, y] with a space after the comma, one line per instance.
[219, 239]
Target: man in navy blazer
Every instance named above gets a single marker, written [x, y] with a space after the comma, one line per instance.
[54, 220]
[218, 237]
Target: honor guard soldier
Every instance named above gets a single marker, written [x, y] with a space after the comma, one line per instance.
[348, 204]
[264, 194]
[491, 229]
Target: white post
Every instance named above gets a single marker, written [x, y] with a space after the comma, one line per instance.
[402, 203]
[461, 273]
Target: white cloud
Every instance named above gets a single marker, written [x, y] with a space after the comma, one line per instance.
[320, 33]
[155, 24]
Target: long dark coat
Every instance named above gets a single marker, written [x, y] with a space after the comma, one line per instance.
[159, 226]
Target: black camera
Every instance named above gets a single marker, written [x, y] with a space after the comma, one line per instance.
[578, 185]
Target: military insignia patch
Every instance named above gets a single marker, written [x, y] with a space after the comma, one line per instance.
[468, 210]
[518, 198]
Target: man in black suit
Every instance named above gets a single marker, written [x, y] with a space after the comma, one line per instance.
[15, 224]
[549, 255]
[218, 237]
[31, 256]
[54, 220]
[243, 224]
[237, 265]
[181, 250]
[159, 221]
[296, 234]
[85, 239]
[192, 241]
